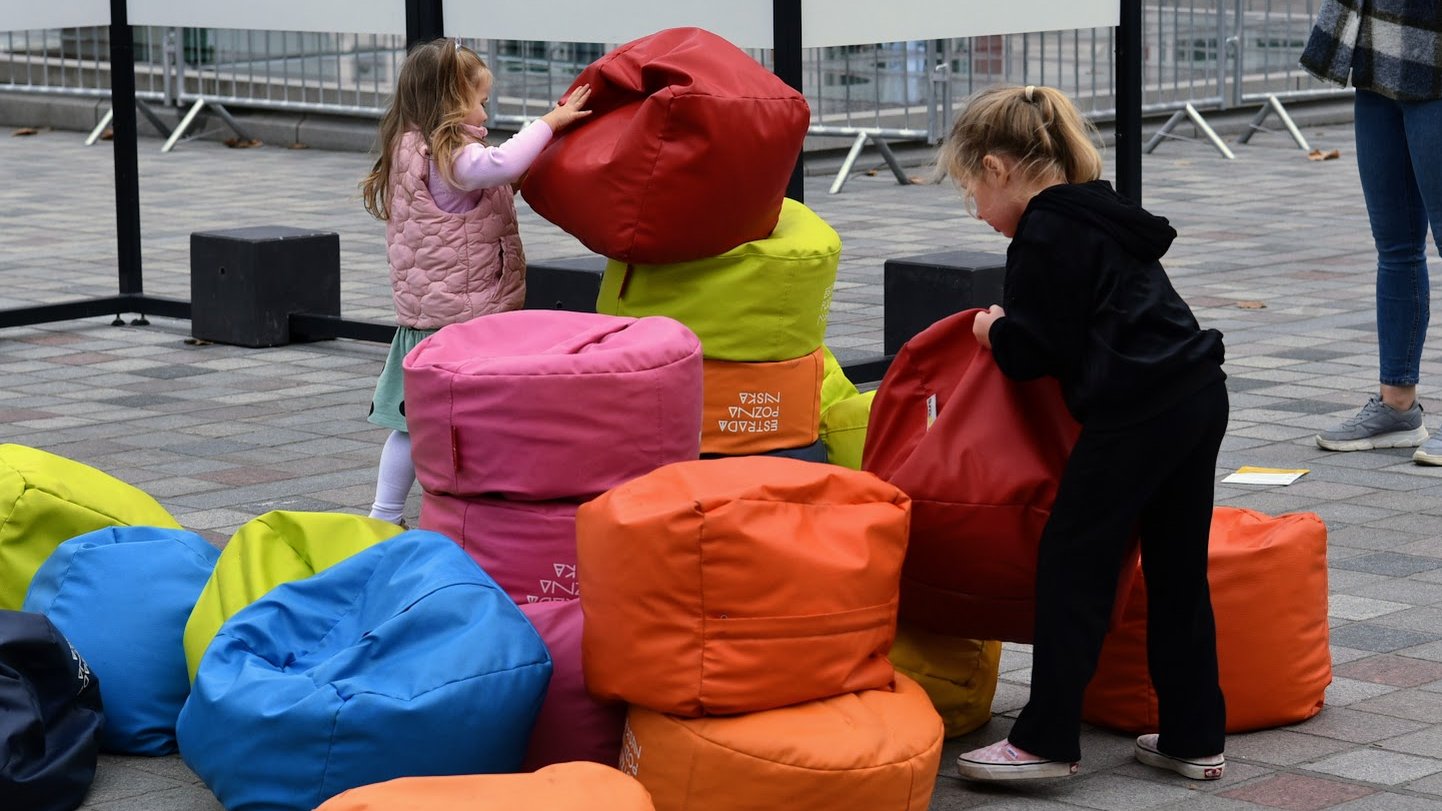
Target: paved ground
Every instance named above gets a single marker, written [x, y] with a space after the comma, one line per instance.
[221, 434]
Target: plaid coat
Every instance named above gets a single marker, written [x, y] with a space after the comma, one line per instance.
[1391, 47]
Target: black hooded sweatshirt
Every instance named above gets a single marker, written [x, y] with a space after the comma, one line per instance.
[1087, 302]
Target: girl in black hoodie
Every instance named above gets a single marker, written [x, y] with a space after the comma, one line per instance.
[1086, 301]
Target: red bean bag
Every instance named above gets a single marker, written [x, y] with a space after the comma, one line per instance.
[875, 750]
[542, 405]
[1268, 579]
[740, 584]
[687, 153]
[981, 457]
[572, 724]
[527, 547]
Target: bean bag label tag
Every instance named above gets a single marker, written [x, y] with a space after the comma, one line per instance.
[757, 407]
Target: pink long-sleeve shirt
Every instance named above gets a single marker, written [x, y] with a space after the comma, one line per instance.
[478, 167]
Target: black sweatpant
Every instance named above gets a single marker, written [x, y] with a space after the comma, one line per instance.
[1155, 478]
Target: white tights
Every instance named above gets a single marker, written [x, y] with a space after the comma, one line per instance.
[397, 474]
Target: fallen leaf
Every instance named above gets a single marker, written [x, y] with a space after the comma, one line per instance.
[1252, 305]
[919, 180]
[870, 172]
[236, 143]
[25, 131]
[108, 135]
[197, 342]
[1319, 155]
[299, 146]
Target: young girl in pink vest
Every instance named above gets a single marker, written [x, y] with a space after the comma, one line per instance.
[451, 234]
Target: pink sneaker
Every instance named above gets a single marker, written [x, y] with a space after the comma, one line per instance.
[1197, 768]
[1002, 761]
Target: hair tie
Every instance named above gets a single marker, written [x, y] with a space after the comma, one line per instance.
[1030, 89]
[458, 50]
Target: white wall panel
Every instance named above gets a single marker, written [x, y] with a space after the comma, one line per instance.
[351, 16]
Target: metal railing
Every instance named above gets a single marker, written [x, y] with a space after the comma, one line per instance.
[1212, 55]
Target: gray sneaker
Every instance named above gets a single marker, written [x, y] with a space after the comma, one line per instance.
[1431, 451]
[1378, 425]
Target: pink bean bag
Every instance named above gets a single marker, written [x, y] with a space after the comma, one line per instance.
[527, 547]
[572, 725]
[686, 154]
[540, 405]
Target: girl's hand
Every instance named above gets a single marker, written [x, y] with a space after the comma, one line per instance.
[981, 327]
[569, 109]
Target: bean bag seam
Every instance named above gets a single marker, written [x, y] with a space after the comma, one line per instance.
[690, 730]
[651, 175]
[512, 669]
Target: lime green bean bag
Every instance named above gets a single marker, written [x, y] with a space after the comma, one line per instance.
[765, 300]
[45, 500]
[278, 547]
[835, 385]
[843, 430]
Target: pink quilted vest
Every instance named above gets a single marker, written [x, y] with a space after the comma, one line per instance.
[447, 268]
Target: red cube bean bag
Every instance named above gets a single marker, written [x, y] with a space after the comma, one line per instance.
[572, 724]
[875, 750]
[687, 153]
[740, 584]
[981, 457]
[1268, 579]
[539, 405]
[527, 547]
[563, 787]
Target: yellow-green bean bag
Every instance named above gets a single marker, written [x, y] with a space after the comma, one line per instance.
[843, 429]
[278, 547]
[835, 385]
[765, 300]
[959, 675]
[45, 500]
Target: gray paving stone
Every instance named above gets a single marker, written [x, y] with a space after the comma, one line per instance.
[1377, 766]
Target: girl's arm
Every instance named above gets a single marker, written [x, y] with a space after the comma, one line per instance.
[478, 166]
[1044, 329]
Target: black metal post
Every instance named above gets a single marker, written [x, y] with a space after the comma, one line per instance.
[127, 167]
[786, 50]
[423, 21]
[1128, 81]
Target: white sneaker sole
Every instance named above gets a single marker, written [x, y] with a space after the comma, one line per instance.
[1396, 439]
[1197, 770]
[991, 772]
[1422, 457]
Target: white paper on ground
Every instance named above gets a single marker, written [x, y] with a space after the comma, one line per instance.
[1264, 475]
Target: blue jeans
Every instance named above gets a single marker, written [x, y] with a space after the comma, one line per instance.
[1399, 156]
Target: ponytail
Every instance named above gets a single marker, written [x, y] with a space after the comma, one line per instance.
[1037, 126]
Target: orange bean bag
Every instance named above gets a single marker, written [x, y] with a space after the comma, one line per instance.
[958, 675]
[580, 786]
[981, 457]
[1268, 579]
[876, 750]
[760, 407]
[739, 584]
[686, 154]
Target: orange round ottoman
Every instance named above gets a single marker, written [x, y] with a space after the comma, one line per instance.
[740, 584]
[876, 750]
[580, 786]
[1268, 578]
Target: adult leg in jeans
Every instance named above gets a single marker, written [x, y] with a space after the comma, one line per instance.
[1388, 161]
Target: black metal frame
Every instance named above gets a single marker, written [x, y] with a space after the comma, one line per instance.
[423, 23]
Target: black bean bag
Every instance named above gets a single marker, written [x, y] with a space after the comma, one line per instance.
[50, 716]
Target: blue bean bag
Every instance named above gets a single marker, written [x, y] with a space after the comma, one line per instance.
[405, 659]
[50, 717]
[122, 595]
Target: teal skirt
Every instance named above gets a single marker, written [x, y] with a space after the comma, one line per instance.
[388, 407]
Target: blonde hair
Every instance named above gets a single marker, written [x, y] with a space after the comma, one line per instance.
[435, 91]
[1039, 127]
